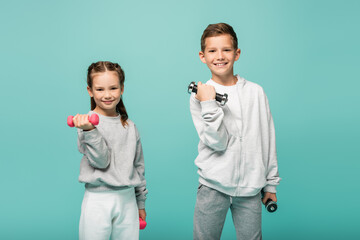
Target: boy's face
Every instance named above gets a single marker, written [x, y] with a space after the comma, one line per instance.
[220, 55]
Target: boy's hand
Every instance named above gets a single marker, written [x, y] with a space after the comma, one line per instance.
[268, 195]
[82, 121]
[205, 92]
[142, 214]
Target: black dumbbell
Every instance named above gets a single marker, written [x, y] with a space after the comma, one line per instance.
[222, 98]
[270, 205]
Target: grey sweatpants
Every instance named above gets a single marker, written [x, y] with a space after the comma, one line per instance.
[210, 213]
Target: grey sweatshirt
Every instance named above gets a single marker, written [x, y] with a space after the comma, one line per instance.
[113, 158]
[238, 159]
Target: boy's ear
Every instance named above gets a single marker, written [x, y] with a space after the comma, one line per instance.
[89, 91]
[237, 54]
[202, 56]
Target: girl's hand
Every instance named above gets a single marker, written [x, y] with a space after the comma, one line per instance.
[268, 195]
[142, 214]
[205, 92]
[82, 121]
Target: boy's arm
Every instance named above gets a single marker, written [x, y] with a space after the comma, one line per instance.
[140, 191]
[269, 195]
[208, 120]
[272, 178]
[94, 147]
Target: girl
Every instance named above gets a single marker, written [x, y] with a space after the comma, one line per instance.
[112, 167]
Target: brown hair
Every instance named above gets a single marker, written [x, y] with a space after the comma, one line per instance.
[103, 66]
[217, 29]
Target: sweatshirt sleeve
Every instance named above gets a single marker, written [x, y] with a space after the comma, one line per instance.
[208, 120]
[94, 147]
[272, 177]
[140, 190]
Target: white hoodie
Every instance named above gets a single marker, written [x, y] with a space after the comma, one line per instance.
[237, 162]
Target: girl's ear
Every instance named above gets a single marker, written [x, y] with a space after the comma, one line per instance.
[90, 91]
[122, 90]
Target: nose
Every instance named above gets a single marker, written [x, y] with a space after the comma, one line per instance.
[220, 55]
[107, 94]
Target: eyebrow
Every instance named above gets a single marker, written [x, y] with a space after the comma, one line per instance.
[100, 86]
[229, 46]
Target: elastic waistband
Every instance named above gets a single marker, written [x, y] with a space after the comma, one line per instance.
[105, 188]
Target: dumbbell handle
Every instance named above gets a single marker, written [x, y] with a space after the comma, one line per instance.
[222, 98]
[270, 205]
[142, 223]
[93, 119]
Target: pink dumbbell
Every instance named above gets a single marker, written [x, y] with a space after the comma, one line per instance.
[142, 223]
[93, 119]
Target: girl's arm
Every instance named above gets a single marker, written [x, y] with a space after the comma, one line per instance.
[94, 147]
[142, 214]
[140, 190]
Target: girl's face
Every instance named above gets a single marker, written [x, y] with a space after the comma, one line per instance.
[106, 91]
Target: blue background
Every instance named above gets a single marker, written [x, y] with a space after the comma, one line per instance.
[304, 53]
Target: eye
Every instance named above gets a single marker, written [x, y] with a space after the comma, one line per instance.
[114, 88]
[211, 51]
[98, 89]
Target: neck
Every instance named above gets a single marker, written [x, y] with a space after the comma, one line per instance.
[107, 113]
[228, 80]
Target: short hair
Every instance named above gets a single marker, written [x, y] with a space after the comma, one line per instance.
[217, 29]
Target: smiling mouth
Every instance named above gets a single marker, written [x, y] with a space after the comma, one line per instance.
[107, 102]
[220, 64]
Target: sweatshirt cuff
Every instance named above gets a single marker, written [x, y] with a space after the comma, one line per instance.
[209, 106]
[141, 204]
[270, 188]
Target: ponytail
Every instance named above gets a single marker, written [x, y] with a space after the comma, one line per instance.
[120, 108]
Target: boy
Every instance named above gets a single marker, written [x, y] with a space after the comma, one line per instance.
[237, 154]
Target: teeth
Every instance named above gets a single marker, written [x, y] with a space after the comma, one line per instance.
[220, 64]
